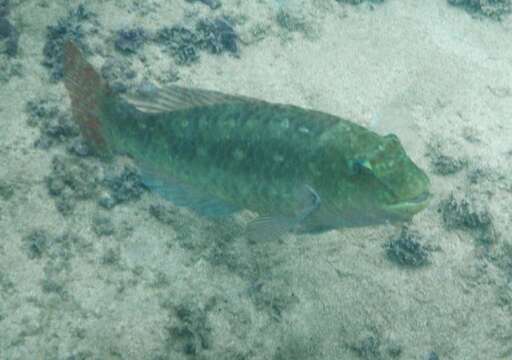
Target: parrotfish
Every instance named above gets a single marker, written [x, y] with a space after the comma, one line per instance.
[300, 170]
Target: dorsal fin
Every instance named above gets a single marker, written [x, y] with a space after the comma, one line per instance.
[173, 98]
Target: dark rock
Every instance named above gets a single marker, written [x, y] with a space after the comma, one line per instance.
[495, 9]
[78, 176]
[102, 226]
[461, 213]
[193, 332]
[476, 174]
[394, 350]
[291, 22]
[56, 186]
[146, 89]
[6, 28]
[56, 130]
[4, 8]
[7, 286]
[79, 147]
[213, 4]
[407, 250]
[40, 109]
[217, 36]
[126, 186]
[70, 181]
[368, 348]
[130, 40]
[110, 257]
[444, 164]
[9, 37]
[10, 69]
[295, 347]
[67, 28]
[64, 246]
[273, 296]
[430, 356]
[60, 127]
[190, 348]
[49, 285]
[357, 2]
[36, 243]
[55, 250]
[6, 190]
[164, 214]
[65, 202]
[53, 48]
[106, 200]
[470, 215]
[81, 13]
[118, 73]
[56, 127]
[180, 42]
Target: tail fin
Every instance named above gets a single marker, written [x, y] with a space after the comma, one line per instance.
[87, 91]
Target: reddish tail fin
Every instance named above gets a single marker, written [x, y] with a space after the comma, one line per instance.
[87, 92]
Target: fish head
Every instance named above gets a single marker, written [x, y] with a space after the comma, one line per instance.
[407, 186]
[384, 184]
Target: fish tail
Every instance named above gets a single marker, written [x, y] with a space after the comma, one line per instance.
[87, 91]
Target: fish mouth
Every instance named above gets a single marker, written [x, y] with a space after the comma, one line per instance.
[424, 196]
[412, 205]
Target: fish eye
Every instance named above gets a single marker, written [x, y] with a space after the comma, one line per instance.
[392, 137]
[359, 166]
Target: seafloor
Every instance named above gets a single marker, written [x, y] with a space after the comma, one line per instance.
[94, 266]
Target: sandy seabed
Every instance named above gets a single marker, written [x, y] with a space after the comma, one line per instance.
[144, 280]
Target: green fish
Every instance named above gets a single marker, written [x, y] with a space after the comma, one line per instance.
[300, 170]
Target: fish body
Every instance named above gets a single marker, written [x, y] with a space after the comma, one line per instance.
[300, 169]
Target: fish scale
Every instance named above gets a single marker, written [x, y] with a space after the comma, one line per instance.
[300, 169]
[172, 140]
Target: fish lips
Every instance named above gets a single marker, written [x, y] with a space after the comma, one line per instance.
[410, 206]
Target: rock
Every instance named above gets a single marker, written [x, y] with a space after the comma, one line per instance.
[130, 40]
[118, 73]
[4, 8]
[495, 9]
[125, 186]
[213, 4]
[357, 2]
[102, 226]
[79, 147]
[468, 213]
[36, 243]
[71, 181]
[6, 190]
[180, 42]
[67, 28]
[217, 36]
[8, 38]
[407, 250]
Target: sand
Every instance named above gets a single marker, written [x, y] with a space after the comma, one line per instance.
[177, 286]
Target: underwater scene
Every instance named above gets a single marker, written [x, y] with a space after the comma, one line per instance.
[256, 180]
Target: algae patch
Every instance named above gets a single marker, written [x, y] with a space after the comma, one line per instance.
[407, 249]
[495, 9]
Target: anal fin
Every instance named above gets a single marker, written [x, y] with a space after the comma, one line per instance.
[185, 196]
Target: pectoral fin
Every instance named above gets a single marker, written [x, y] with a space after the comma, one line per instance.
[266, 228]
